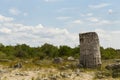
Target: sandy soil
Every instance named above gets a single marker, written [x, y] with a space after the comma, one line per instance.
[45, 74]
[42, 74]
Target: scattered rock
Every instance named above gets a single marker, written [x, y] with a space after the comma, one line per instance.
[26, 62]
[79, 65]
[113, 66]
[70, 58]
[115, 69]
[109, 66]
[53, 77]
[58, 60]
[100, 75]
[77, 72]
[21, 74]
[116, 73]
[3, 71]
[64, 75]
[67, 66]
[63, 68]
[45, 79]
[18, 65]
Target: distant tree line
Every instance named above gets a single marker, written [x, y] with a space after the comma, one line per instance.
[109, 53]
[24, 51]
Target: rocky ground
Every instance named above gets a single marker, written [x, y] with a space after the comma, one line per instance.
[47, 74]
[46, 70]
[44, 74]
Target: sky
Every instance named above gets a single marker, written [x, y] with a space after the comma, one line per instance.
[59, 22]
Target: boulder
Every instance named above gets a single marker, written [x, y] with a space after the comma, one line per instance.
[70, 58]
[113, 66]
[115, 69]
[57, 60]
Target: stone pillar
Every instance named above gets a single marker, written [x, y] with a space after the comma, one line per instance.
[90, 56]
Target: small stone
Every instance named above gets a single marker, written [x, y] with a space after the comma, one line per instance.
[58, 60]
[64, 75]
[71, 58]
[18, 65]
[77, 72]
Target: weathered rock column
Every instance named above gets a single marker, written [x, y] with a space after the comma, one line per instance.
[90, 56]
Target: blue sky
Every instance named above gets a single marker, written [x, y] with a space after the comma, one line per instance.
[59, 22]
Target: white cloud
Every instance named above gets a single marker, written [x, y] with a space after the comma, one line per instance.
[109, 38]
[105, 35]
[105, 22]
[13, 33]
[63, 18]
[97, 21]
[5, 19]
[5, 30]
[14, 11]
[102, 5]
[89, 14]
[77, 22]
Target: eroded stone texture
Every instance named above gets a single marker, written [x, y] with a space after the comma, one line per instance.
[90, 56]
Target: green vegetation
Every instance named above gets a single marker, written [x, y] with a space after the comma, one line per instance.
[109, 53]
[49, 51]
[24, 51]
